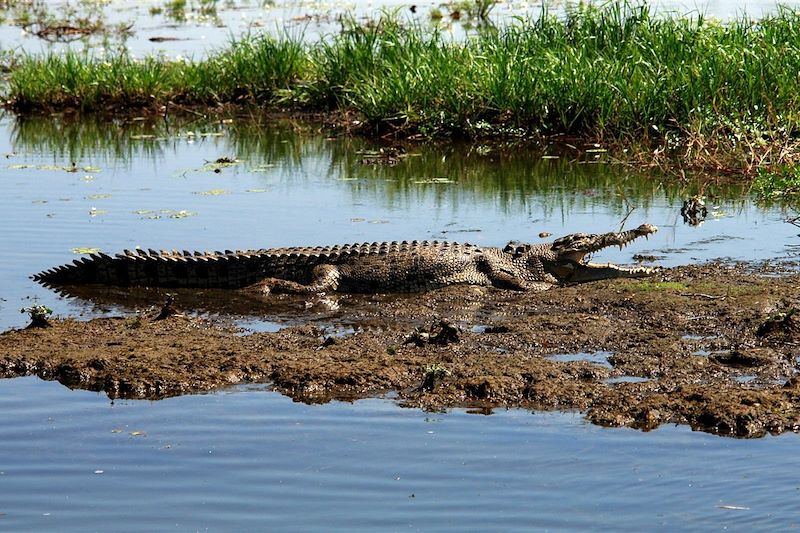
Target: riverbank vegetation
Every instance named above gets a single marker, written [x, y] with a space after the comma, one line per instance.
[715, 94]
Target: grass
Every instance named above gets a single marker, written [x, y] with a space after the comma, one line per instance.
[251, 69]
[690, 86]
[781, 184]
[652, 286]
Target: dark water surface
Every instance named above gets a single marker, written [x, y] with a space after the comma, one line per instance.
[250, 459]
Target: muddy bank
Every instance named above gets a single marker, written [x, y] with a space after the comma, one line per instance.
[712, 346]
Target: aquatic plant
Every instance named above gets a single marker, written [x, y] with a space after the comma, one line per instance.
[465, 9]
[252, 69]
[61, 23]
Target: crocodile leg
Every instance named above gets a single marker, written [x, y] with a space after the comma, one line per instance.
[325, 277]
[504, 280]
[505, 276]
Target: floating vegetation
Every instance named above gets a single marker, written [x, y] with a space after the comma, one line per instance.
[64, 22]
[212, 192]
[182, 11]
[218, 165]
[181, 214]
[435, 181]
[26, 166]
[149, 214]
[83, 251]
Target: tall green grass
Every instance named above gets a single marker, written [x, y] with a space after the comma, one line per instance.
[251, 69]
[616, 71]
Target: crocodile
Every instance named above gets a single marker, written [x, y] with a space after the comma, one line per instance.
[405, 266]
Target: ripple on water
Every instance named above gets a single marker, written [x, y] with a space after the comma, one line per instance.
[250, 459]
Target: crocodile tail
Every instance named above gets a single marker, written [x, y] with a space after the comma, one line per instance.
[160, 269]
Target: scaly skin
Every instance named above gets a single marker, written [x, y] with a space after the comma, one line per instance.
[366, 268]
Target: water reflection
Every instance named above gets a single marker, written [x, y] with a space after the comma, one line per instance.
[516, 176]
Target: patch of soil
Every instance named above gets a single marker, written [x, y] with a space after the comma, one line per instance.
[688, 346]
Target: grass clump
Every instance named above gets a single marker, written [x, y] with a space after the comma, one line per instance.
[251, 69]
[39, 315]
[70, 80]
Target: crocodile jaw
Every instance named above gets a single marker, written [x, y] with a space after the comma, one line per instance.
[574, 247]
[583, 272]
[571, 265]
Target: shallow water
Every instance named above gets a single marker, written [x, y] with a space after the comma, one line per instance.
[250, 459]
[595, 358]
[202, 26]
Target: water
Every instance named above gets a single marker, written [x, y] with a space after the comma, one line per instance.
[203, 26]
[250, 459]
[624, 379]
[595, 358]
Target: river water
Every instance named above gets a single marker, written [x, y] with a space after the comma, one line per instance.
[250, 459]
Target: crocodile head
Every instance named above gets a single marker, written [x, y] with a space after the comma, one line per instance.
[568, 263]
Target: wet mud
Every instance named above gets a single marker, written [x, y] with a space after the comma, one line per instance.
[714, 346]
